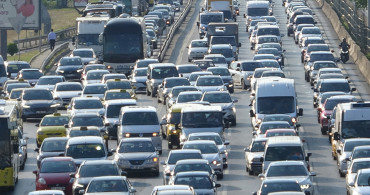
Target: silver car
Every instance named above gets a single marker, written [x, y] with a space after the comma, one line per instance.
[199, 180]
[137, 155]
[138, 79]
[67, 90]
[353, 168]
[291, 170]
[253, 154]
[361, 184]
[209, 152]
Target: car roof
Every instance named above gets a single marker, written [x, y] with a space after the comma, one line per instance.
[363, 171]
[184, 151]
[87, 114]
[216, 92]
[120, 102]
[59, 158]
[334, 81]
[284, 140]
[356, 140]
[274, 122]
[85, 139]
[289, 162]
[86, 98]
[171, 187]
[366, 147]
[204, 134]
[69, 83]
[137, 139]
[192, 173]
[192, 161]
[109, 178]
[360, 160]
[98, 162]
[95, 84]
[210, 142]
[55, 138]
[138, 109]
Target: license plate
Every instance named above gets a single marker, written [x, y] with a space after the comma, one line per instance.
[41, 112]
[70, 75]
[135, 167]
[58, 188]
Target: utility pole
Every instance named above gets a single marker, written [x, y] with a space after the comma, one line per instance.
[3, 46]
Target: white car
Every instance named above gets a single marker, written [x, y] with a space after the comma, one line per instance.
[210, 83]
[49, 81]
[67, 90]
[87, 55]
[85, 105]
[197, 49]
[93, 76]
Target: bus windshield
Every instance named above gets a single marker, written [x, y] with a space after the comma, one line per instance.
[356, 128]
[123, 48]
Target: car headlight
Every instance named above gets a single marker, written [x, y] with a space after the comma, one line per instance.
[305, 186]
[123, 162]
[26, 106]
[256, 160]
[61, 71]
[153, 160]
[41, 181]
[40, 133]
[216, 162]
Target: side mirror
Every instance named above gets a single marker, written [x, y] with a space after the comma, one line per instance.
[35, 172]
[346, 159]
[238, 69]
[162, 163]
[132, 190]
[198, 24]
[345, 171]
[261, 176]
[227, 143]
[254, 193]
[351, 184]
[315, 90]
[239, 44]
[217, 185]
[312, 174]
[300, 112]
[110, 153]
[339, 151]
[244, 15]
[336, 136]
[246, 149]
[235, 101]
[353, 89]
[66, 125]
[113, 150]
[123, 173]
[254, 133]
[36, 150]
[251, 113]
[81, 191]
[72, 175]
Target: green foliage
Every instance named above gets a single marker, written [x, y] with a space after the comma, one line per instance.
[368, 55]
[361, 3]
[12, 48]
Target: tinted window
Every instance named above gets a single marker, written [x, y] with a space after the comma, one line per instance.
[87, 121]
[140, 118]
[164, 72]
[57, 167]
[286, 170]
[37, 95]
[86, 151]
[132, 147]
[279, 153]
[276, 105]
[53, 145]
[88, 104]
[174, 157]
[69, 88]
[217, 98]
[70, 61]
[54, 121]
[251, 66]
[98, 170]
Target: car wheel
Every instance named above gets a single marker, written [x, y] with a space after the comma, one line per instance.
[170, 146]
[160, 152]
[156, 173]
[225, 166]
[189, 60]
[243, 85]
[163, 135]
[250, 172]
[221, 176]
[153, 94]
[147, 92]
[233, 122]
[164, 101]
[341, 173]
[158, 100]
[231, 90]
[323, 132]
[22, 166]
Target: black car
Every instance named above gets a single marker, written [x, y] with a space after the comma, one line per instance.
[279, 185]
[70, 68]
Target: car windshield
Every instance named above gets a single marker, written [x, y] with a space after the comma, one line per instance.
[151, 33]
[270, 63]
[57, 167]
[363, 179]
[83, 54]
[276, 105]
[164, 72]
[140, 118]
[280, 187]
[206, 19]
[273, 74]
[286, 171]
[251, 66]
[325, 96]
[268, 31]
[192, 167]
[360, 165]
[199, 44]
[55, 121]
[87, 121]
[53, 145]
[176, 91]
[98, 170]
[306, 42]
[318, 66]
[95, 75]
[145, 63]
[34, 74]
[274, 52]
[215, 138]
[87, 150]
[217, 98]
[331, 103]
[343, 86]
[95, 89]
[183, 98]
[194, 77]
[88, 104]
[188, 69]
[309, 30]
[228, 53]
[107, 186]
[15, 68]
[202, 119]
[78, 133]
[70, 61]
[280, 133]
[218, 60]
[119, 85]
[204, 148]
[197, 182]
[263, 57]
[258, 146]
[318, 48]
[348, 146]
[141, 72]
[169, 83]
[49, 81]
[360, 153]
[223, 40]
[253, 11]
[174, 157]
[11, 86]
[134, 147]
[117, 95]
[286, 118]
[281, 153]
[209, 81]
[264, 126]
[220, 71]
[69, 87]
[37, 95]
[321, 57]
[15, 94]
[94, 67]
[113, 111]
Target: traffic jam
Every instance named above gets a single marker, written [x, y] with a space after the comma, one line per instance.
[95, 133]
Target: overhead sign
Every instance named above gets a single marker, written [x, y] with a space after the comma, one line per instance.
[80, 3]
[20, 15]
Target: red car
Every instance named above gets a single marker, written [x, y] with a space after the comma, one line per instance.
[54, 174]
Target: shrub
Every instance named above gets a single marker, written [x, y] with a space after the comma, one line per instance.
[12, 48]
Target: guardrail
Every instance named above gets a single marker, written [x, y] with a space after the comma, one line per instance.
[34, 41]
[52, 54]
[172, 31]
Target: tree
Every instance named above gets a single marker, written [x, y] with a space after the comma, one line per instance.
[361, 3]
[12, 48]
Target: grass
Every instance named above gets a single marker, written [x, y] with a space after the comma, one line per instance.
[24, 56]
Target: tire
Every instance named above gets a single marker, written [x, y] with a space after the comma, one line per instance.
[158, 100]
[153, 94]
[221, 176]
[22, 166]
[233, 122]
[156, 173]
[170, 146]
[231, 90]
[160, 152]
[341, 174]
[164, 101]
[147, 92]
[243, 85]
[225, 166]
[323, 132]
[189, 60]
[250, 172]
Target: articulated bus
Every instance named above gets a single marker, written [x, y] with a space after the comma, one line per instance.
[124, 42]
[9, 144]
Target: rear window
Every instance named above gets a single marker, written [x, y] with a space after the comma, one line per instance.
[140, 118]
[280, 153]
[251, 66]
[174, 157]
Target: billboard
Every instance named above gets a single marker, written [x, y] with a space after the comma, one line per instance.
[80, 3]
[20, 15]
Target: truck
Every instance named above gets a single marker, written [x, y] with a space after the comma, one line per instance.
[224, 33]
[88, 30]
[225, 6]
[207, 17]
[135, 7]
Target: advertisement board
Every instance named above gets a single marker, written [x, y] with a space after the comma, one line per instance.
[20, 15]
[80, 3]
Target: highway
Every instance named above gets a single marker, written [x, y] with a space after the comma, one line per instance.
[236, 179]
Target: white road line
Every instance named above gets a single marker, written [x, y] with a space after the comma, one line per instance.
[224, 189]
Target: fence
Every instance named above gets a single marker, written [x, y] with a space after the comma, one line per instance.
[354, 20]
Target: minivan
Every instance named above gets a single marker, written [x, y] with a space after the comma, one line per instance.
[155, 75]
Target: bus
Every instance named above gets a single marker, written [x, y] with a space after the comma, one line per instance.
[124, 41]
[10, 123]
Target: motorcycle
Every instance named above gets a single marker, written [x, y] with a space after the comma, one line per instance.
[344, 54]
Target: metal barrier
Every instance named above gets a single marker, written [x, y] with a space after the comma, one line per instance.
[52, 54]
[34, 41]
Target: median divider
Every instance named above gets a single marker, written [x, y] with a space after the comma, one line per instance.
[52, 58]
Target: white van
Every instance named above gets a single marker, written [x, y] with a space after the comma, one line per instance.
[256, 9]
[274, 96]
[3, 72]
[282, 148]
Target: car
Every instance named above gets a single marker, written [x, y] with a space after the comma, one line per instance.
[266, 125]
[224, 49]
[13, 67]
[298, 27]
[261, 39]
[23, 155]
[173, 157]
[223, 99]
[186, 69]
[197, 49]
[282, 117]
[109, 185]
[167, 84]
[93, 76]
[225, 75]
[122, 84]
[192, 165]
[220, 142]
[353, 168]
[291, 170]
[264, 57]
[94, 90]
[111, 116]
[189, 96]
[274, 52]
[219, 60]
[10, 86]
[87, 119]
[87, 55]
[319, 56]
[209, 152]
[210, 83]
[135, 155]
[175, 91]
[326, 85]
[153, 38]
[89, 67]
[143, 63]
[278, 185]
[85, 131]
[199, 180]
[204, 63]
[359, 152]
[49, 82]
[51, 125]
[253, 154]
[32, 75]
[320, 100]
[70, 68]
[138, 80]
[36, 103]
[316, 66]
[194, 76]
[361, 183]
[54, 174]
[308, 32]
[15, 94]
[281, 132]
[306, 51]
[116, 94]
[170, 189]
[113, 76]
[65, 91]
[93, 168]
[51, 147]
[85, 105]
[155, 75]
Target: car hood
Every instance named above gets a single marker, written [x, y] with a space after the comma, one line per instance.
[98, 110]
[140, 128]
[68, 94]
[204, 191]
[186, 131]
[50, 87]
[38, 102]
[56, 178]
[252, 155]
[363, 190]
[52, 128]
[211, 157]
[210, 88]
[140, 79]
[69, 68]
[223, 105]
[199, 50]
[299, 179]
[50, 154]
[87, 60]
[137, 155]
